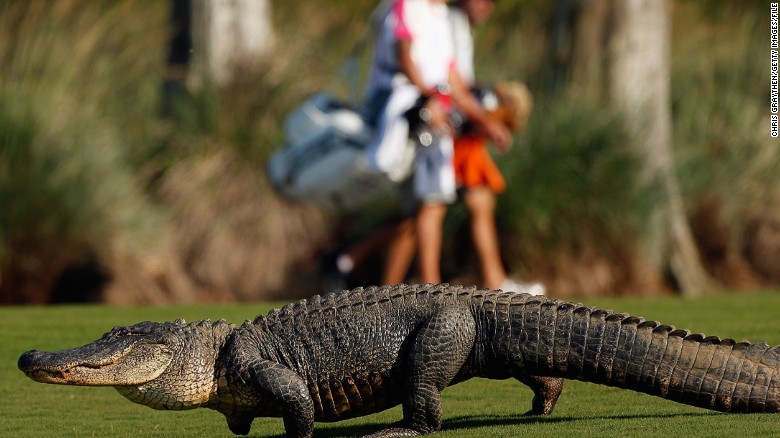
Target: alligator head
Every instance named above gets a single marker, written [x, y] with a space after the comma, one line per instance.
[160, 365]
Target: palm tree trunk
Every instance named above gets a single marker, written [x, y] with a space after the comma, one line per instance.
[639, 86]
[230, 35]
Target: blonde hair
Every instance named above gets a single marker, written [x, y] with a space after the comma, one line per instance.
[515, 104]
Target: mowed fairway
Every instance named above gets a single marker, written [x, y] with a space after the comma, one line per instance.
[475, 408]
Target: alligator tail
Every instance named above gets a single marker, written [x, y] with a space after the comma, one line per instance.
[576, 342]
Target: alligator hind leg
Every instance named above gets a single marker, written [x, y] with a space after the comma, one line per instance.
[546, 392]
[437, 352]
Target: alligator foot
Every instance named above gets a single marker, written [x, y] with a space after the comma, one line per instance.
[546, 392]
[393, 432]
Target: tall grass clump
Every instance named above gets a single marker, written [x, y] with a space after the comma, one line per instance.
[719, 103]
[574, 210]
[728, 165]
[76, 83]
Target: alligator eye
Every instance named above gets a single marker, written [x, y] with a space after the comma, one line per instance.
[119, 332]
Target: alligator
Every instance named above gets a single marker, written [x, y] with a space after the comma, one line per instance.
[358, 352]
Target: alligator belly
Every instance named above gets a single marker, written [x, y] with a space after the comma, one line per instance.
[354, 396]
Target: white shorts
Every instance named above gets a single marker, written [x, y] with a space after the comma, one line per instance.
[393, 154]
[434, 174]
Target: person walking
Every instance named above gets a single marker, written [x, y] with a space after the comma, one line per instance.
[415, 57]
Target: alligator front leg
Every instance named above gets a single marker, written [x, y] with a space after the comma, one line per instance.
[439, 349]
[288, 390]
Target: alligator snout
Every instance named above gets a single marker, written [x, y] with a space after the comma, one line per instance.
[35, 360]
[29, 360]
[41, 367]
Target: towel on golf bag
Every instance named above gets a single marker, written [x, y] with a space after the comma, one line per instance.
[323, 159]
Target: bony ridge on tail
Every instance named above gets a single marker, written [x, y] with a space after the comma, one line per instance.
[357, 352]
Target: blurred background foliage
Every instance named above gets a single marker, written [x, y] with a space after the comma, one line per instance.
[104, 199]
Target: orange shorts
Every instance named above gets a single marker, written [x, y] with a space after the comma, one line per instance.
[474, 166]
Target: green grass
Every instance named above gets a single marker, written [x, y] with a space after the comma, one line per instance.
[478, 407]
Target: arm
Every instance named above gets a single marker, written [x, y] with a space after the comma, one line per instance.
[473, 111]
[407, 65]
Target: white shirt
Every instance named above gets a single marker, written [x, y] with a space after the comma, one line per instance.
[464, 45]
[427, 26]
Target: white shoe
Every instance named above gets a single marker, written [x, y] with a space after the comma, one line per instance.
[510, 285]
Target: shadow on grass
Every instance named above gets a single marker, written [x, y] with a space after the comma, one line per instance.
[478, 421]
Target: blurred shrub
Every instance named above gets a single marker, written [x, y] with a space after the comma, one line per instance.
[720, 109]
[573, 213]
[728, 165]
[572, 177]
[75, 94]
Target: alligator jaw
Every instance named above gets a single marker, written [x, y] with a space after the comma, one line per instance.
[56, 377]
[133, 365]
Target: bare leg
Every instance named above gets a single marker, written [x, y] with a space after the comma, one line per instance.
[429, 237]
[400, 253]
[481, 203]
